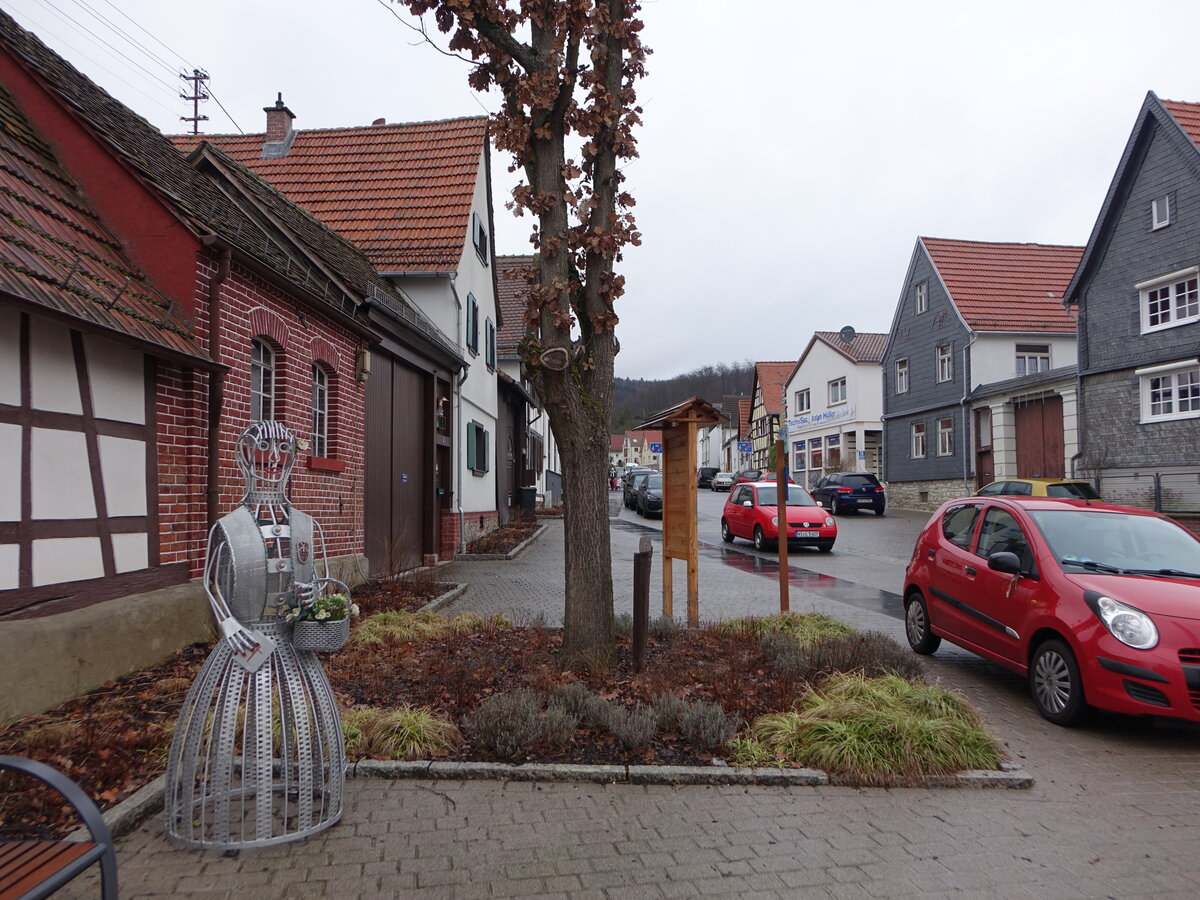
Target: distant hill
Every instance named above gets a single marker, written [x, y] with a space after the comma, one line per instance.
[637, 399]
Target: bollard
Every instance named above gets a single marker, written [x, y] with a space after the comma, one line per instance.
[641, 602]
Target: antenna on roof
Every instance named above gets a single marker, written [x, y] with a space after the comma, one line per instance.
[847, 334]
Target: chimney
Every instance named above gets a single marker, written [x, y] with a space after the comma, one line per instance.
[279, 121]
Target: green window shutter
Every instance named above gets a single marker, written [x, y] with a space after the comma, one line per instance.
[471, 445]
[485, 462]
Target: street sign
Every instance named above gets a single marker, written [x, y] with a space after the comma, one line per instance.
[656, 448]
[745, 446]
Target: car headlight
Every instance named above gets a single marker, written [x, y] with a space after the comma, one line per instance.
[829, 520]
[775, 521]
[1128, 625]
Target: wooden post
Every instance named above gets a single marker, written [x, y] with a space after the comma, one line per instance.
[641, 601]
[781, 532]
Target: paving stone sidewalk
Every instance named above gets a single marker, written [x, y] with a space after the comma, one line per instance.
[1114, 812]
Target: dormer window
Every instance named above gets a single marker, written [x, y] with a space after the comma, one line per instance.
[479, 237]
[1160, 212]
[921, 302]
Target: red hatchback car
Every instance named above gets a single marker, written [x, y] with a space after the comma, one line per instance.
[1099, 605]
[751, 513]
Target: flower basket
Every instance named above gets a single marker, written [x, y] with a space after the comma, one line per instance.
[324, 636]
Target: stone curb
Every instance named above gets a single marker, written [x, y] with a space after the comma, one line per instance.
[511, 554]
[145, 802]
[445, 599]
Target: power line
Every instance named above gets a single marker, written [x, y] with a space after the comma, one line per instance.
[152, 36]
[119, 30]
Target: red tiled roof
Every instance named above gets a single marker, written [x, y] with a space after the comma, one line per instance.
[401, 192]
[1187, 115]
[57, 253]
[616, 442]
[867, 346]
[1007, 287]
[512, 294]
[771, 377]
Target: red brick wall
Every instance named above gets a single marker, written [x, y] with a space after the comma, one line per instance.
[300, 334]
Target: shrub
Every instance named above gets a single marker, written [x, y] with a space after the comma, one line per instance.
[750, 753]
[805, 628]
[668, 711]
[623, 624]
[872, 653]
[633, 728]
[663, 626]
[558, 725]
[402, 625]
[406, 732]
[870, 729]
[507, 724]
[706, 726]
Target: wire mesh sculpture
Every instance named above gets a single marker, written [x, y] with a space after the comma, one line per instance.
[258, 755]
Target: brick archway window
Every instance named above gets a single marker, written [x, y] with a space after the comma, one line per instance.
[262, 380]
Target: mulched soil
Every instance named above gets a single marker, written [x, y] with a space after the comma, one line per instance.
[114, 740]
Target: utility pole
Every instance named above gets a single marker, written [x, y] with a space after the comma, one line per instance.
[197, 79]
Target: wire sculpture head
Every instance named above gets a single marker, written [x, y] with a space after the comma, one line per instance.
[265, 452]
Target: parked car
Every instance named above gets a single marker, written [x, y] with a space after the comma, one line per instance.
[648, 500]
[1097, 604]
[840, 492]
[756, 475]
[705, 476]
[751, 513]
[629, 483]
[1040, 487]
[722, 481]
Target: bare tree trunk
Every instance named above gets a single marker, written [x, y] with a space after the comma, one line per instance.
[588, 612]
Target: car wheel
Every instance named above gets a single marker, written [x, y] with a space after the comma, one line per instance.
[1055, 684]
[916, 625]
[760, 539]
[726, 534]
[879, 511]
[825, 548]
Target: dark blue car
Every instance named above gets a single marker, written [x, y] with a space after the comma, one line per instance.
[841, 492]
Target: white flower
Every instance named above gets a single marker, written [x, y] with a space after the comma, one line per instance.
[322, 614]
[354, 609]
[301, 444]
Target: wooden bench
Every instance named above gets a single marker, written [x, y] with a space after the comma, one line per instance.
[33, 869]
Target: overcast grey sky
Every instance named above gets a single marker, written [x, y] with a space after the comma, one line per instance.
[791, 155]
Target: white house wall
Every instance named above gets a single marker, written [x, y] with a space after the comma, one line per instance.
[60, 476]
[862, 411]
[480, 391]
[994, 356]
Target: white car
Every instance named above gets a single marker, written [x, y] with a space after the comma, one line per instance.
[722, 481]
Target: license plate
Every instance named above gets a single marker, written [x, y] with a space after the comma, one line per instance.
[808, 534]
[866, 500]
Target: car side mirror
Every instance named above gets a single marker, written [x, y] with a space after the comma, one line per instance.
[747, 503]
[1006, 562]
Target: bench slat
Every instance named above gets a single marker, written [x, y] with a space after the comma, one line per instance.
[26, 864]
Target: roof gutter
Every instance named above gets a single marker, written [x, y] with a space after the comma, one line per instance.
[341, 317]
[216, 388]
[429, 273]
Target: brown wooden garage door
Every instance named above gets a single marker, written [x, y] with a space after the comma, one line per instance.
[398, 466]
[1039, 426]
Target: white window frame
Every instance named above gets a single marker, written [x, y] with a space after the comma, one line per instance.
[1160, 212]
[837, 391]
[945, 363]
[262, 380]
[1039, 353]
[479, 237]
[803, 401]
[1168, 309]
[478, 456]
[916, 440]
[945, 436]
[1161, 386]
[320, 412]
[902, 376]
[921, 301]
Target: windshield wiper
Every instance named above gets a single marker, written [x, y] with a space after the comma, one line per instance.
[1177, 573]
[1093, 566]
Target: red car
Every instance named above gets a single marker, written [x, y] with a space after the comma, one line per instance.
[1099, 605]
[750, 513]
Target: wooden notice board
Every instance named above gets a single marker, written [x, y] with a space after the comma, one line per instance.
[679, 426]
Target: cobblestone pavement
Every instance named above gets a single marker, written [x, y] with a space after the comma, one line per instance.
[1114, 812]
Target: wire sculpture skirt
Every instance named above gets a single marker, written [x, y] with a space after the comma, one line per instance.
[257, 758]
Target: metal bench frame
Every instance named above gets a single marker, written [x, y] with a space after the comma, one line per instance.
[29, 856]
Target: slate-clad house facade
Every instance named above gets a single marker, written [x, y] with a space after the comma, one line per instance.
[972, 313]
[1138, 301]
